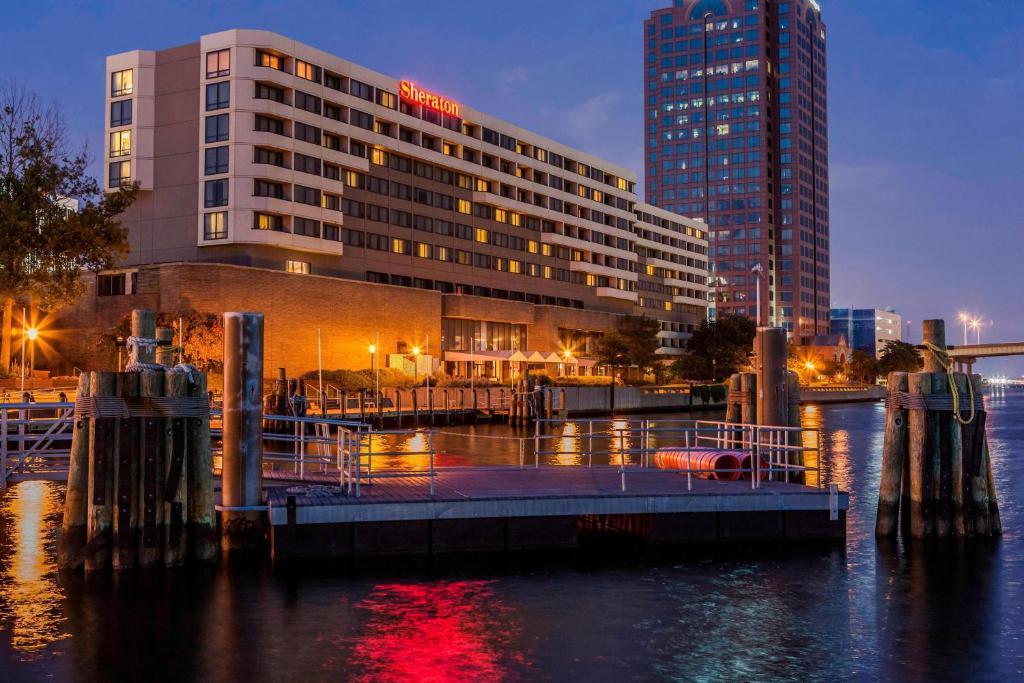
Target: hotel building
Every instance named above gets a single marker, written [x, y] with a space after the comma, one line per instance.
[736, 132]
[867, 329]
[277, 177]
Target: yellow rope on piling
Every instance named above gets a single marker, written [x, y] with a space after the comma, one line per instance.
[943, 357]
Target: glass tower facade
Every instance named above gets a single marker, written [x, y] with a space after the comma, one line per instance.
[736, 133]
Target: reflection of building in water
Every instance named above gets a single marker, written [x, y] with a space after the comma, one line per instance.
[29, 595]
[619, 442]
[569, 445]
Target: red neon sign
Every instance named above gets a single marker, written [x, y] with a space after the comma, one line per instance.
[410, 92]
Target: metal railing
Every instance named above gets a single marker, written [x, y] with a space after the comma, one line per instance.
[35, 440]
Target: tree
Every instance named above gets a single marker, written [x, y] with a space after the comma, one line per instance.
[899, 356]
[203, 344]
[863, 367]
[46, 244]
[633, 342]
[717, 349]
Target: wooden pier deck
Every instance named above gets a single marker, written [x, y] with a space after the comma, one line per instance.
[509, 509]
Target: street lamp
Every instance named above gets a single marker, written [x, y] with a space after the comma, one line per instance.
[976, 326]
[965, 319]
[416, 364]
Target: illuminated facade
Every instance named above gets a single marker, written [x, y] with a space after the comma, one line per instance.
[255, 150]
[736, 132]
[867, 329]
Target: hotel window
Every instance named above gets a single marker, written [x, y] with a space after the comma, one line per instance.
[306, 133]
[301, 267]
[268, 60]
[387, 99]
[267, 221]
[215, 193]
[266, 124]
[464, 181]
[331, 171]
[307, 102]
[217, 128]
[332, 142]
[360, 90]
[330, 201]
[399, 246]
[120, 173]
[218, 63]
[215, 225]
[307, 195]
[121, 83]
[443, 253]
[465, 206]
[501, 215]
[482, 185]
[481, 235]
[360, 119]
[305, 226]
[516, 219]
[306, 164]
[332, 232]
[264, 91]
[546, 250]
[515, 266]
[268, 156]
[532, 246]
[382, 128]
[120, 143]
[423, 250]
[355, 179]
[308, 71]
[379, 157]
[121, 113]
[216, 160]
[622, 183]
[352, 238]
[547, 272]
[333, 81]
[266, 188]
[218, 95]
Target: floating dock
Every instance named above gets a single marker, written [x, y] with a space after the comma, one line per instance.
[511, 509]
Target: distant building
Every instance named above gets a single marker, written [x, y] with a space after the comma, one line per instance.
[827, 347]
[867, 329]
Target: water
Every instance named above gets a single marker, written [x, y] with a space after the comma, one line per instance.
[867, 611]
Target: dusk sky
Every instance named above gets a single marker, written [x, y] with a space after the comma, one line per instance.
[926, 103]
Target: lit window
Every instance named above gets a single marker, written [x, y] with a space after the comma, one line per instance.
[398, 246]
[121, 83]
[215, 225]
[269, 60]
[517, 219]
[650, 270]
[218, 63]
[532, 246]
[482, 185]
[515, 266]
[591, 280]
[267, 221]
[379, 157]
[547, 249]
[297, 267]
[668, 305]
[442, 254]
[465, 206]
[353, 179]
[582, 190]
[500, 264]
[597, 196]
[621, 183]
[121, 143]
[547, 272]
[448, 148]
[120, 173]
[387, 99]
[581, 169]
[481, 235]
[307, 71]
[501, 215]
[423, 250]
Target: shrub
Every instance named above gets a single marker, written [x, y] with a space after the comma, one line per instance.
[354, 380]
[581, 381]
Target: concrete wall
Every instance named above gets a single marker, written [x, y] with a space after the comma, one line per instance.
[582, 400]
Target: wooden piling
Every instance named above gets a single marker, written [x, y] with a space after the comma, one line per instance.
[126, 480]
[919, 440]
[76, 502]
[933, 332]
[941, 459]
[102, 436]
[151, 476]
[174, 493]
[202, 519]
[732, 402]
[164, 354]
[956, 452]
[144, 327]
[748, 404]
[770, 359]
[894, 450]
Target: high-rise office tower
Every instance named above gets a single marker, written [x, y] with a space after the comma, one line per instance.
[736, 132]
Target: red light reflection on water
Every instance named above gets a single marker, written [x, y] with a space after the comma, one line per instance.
[457, 630]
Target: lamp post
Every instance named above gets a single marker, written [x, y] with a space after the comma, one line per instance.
[33, 333]
[976, 326]
[964, 318]
[416, 365]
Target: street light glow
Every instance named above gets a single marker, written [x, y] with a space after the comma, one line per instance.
[32, 333]
[809, 365]
[415, 350]
[373, 348]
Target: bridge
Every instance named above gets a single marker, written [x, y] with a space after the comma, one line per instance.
[966, 355]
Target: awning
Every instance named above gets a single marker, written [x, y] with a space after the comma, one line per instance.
[466, 356]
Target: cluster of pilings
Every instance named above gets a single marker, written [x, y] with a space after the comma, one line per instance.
[936, 472]
[770, 395]
[140, 483]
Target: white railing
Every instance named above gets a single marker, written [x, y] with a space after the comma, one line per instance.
[35, 440]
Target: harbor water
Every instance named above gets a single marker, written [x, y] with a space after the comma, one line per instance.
[863, 611]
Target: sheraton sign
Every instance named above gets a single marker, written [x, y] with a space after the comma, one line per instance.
[410, 92]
